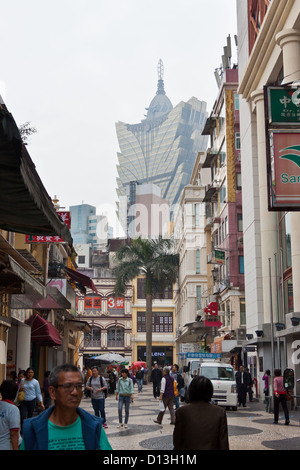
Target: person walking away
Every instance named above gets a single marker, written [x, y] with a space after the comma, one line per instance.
[241, 382]
[33, 394]
[249, 384]
[139, 378]
[124, 396]
[266, 378]
[166, 396]
[112, 382]
[200, 425]
[65, 425]
[175, 374]
[155, 378]
[45, 390]
[280, 397]
[10, 422]
[98, 387]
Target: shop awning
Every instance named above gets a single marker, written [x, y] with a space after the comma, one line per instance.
[54, 300]
[15, 280]
[43, 332]
[81, 279]
[25, 206]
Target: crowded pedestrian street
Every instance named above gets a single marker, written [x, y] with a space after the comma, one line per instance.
[249, 428]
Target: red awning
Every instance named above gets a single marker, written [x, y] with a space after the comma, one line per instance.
[43, 332]
[81, 279]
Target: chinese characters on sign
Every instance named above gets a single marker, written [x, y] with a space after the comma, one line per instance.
[93, 304]
[282, 105]
[65, 217]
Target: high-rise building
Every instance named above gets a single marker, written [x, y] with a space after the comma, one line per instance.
[162, 148]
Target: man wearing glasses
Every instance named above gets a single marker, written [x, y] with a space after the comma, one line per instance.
[65, 426]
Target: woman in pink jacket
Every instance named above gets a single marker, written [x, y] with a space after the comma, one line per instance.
[280, 397]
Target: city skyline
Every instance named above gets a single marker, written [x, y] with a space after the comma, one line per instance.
[100, 67]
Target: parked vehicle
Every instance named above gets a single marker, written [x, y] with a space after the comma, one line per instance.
[221, 375]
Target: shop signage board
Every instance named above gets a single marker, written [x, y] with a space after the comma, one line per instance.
[65, 217]
[282, 108]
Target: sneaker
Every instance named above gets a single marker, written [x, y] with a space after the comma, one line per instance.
[125, 426]
[105, 426]
[121, 425]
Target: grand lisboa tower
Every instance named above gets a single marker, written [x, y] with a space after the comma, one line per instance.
[162, 148]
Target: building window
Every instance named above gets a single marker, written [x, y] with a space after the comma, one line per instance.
[162, 322]
[141, 291]
[241, 265]
[240, 222]
[197, 261]
[93, 339]
[242, 311]
[115, 337]
[198, 294]
[238, 181]
[236, 101]
[196, 210]
[238, 141]
[81, 259]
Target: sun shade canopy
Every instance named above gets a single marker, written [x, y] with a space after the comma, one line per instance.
[43, 332]
[81, 279]
[25, 206]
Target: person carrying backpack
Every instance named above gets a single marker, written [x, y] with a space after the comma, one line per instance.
[98, 387]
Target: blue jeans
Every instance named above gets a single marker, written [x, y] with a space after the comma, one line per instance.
[140, 384]
[99, 407]
[124, 400]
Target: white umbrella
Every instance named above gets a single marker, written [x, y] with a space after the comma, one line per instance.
[111, 358]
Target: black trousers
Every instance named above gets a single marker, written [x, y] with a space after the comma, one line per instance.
[277, 400]
[242, 394]
[156, 389]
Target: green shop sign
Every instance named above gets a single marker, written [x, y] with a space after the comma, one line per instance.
[284, 105]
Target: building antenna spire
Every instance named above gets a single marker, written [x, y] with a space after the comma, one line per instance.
[161, 73]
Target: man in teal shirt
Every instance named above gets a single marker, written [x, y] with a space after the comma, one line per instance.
[65, 426]
[124, 394]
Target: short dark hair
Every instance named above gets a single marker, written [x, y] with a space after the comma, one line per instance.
[277, 372]
[8, 390]
[200, 389]
[126, 371]
[53, 378]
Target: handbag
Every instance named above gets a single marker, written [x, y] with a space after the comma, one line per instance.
[21, 396]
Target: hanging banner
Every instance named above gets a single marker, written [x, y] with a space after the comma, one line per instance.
[282, 109]
[65, 217]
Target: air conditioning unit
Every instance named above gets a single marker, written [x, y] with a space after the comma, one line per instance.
[241, 334]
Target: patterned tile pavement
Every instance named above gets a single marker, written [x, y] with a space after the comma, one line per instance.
[249, 428]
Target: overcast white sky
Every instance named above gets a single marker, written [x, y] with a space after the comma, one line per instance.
[73, 68]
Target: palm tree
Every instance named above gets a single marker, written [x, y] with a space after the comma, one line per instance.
[157, 262]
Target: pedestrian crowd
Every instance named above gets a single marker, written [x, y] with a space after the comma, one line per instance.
[62, 424]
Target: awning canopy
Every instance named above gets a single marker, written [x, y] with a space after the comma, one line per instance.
[81, 279]
[43, 332]
[15, 280]
[25, 206]
[54, 300]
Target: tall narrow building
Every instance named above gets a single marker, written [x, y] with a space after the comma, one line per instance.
[162, 148]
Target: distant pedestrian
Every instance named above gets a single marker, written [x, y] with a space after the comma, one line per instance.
[249, 384]
[174, 373]
[280, 397]
[200, 425]
[266, 378]
[10, 422]
[65, 426]
[166, 396]
[241, 382]
[140, 378]
[33, 395]
[98, 388]
[155, 378]
[45, 390]
[124, 395]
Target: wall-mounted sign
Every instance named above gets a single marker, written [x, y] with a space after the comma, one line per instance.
[282, 108]
[65, 217]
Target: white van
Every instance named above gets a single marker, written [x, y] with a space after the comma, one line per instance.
[222, 377]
